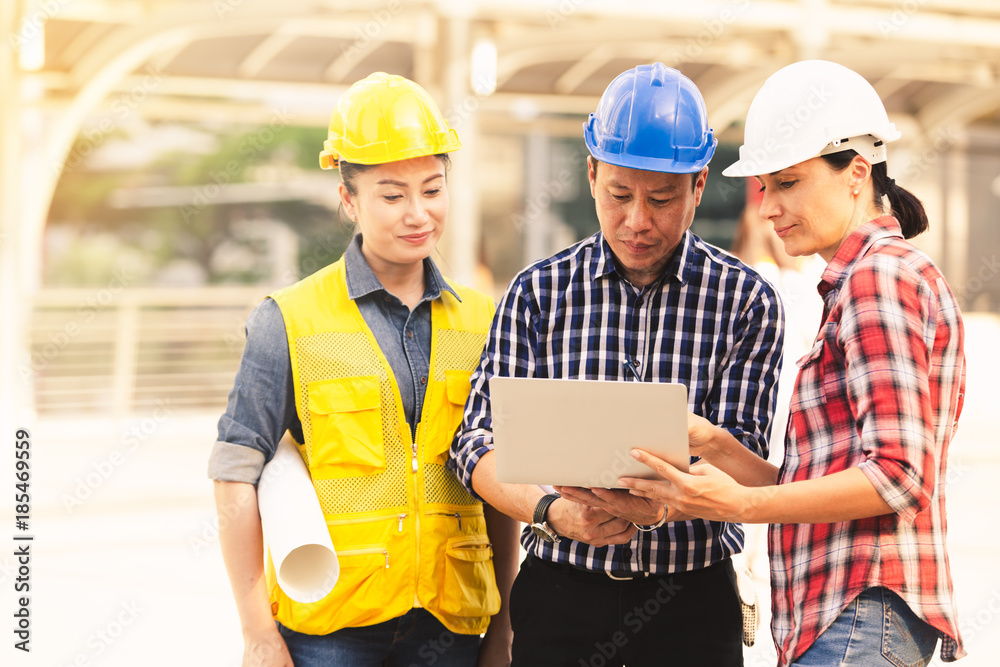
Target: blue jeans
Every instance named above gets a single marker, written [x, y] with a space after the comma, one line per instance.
[414, 639]
[877, 628]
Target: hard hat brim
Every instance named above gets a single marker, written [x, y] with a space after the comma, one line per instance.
[661, 165]
[869, 147]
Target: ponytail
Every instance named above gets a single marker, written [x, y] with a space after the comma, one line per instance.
[904, 205]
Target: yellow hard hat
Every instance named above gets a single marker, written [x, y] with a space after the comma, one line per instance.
[385, 118]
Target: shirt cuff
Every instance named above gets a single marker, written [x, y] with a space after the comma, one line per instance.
[464, 464]
[900, 492]
[235, 463]
[743, 438]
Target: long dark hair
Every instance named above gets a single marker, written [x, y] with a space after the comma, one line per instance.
[904, 204]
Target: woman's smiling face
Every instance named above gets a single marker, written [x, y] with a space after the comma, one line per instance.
[401, 209]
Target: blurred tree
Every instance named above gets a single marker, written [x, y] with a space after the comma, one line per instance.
[187, 216]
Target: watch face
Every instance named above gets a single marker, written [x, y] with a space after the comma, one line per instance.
[537, 530]
[544, 532]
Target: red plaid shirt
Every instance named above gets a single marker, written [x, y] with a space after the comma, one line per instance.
[881, 389]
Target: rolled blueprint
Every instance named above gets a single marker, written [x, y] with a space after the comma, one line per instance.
[294, 527]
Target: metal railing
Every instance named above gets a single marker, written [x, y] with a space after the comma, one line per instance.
[117, 354]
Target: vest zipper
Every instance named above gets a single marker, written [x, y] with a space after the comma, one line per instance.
[360, 552]
[457, 515]
[472, 542]
[401, 517]
[416, 554]
[421, 428]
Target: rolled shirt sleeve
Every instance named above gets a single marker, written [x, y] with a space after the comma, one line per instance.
[886, 332]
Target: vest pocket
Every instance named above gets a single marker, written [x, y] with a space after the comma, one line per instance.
[442, 425]
[346, 422]
[469, 586]
[361, 587]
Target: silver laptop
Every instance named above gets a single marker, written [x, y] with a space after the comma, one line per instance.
[581, 432]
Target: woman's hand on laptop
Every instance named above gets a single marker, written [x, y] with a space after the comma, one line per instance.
[720, 448]
[708, 441]
[705, 492]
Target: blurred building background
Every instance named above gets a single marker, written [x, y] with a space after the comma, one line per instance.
[159, 176]
[160, 155]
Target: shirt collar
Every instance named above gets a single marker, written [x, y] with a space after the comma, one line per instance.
[362, 281]
[854, 248]
[676, 269]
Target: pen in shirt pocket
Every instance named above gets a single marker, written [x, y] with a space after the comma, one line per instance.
[631, 366]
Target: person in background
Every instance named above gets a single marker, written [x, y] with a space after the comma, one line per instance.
[367, 364]
[646, 300]
[859, 566]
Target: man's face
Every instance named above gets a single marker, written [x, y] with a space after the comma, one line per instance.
[643, 215]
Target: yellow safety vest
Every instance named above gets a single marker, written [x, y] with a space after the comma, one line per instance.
[406, 531]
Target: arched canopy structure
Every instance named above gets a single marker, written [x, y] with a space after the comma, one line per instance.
[73, 66]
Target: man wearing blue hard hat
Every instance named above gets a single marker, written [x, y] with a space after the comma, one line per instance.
[612, 578]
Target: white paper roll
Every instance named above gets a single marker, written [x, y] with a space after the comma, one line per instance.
[294, 527]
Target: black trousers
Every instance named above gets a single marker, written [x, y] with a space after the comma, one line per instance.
[565, 616]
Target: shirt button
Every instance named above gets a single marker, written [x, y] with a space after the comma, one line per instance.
[423, 380]
[636, 363]
[409, 334]
[387, 298]
[627, 552]
[638, 302]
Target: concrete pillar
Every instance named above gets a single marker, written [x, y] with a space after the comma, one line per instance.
[427, 54]
[813, 35]
[955, 187]
[916, 167]
[462, 112]
[537, 200]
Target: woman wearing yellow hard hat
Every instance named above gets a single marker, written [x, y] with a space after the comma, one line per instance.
[367, 363]
[859, 563]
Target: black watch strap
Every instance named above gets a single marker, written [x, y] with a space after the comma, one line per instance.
[543, 507]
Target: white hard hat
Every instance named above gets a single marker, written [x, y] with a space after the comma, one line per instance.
[812, 108]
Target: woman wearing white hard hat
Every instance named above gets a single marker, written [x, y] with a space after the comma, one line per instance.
[366, 364]
[859, 567]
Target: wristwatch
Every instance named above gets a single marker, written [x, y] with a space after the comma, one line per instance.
[539, 526]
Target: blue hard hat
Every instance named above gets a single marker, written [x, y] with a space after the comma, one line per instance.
[651, 117]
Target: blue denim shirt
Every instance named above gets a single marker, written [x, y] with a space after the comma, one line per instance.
[262, 401]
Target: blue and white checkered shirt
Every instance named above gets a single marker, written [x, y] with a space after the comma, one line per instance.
[709, 322]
